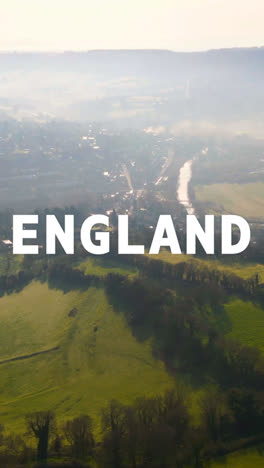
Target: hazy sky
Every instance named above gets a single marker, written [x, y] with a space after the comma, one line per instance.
[112, 24]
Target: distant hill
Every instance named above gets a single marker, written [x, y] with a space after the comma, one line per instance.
[216, 84]
[140, 61]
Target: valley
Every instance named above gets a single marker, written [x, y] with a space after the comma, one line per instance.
[158, 356]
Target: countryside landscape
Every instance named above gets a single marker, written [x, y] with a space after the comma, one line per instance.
[132, 361]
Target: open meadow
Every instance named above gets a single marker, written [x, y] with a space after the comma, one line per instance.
[87, 355]
[241, 199]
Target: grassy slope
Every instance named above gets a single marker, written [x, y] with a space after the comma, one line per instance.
[242, 199]
[100, 267]
[251, 458]
[90, 367]
[247, 321]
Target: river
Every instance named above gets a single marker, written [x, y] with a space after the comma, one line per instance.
[185, 176]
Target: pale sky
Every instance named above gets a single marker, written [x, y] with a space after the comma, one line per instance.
[130, 24]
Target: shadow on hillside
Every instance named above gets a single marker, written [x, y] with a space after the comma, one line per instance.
[67, 285]
[64, 286]
[184, 353]
[15, 287]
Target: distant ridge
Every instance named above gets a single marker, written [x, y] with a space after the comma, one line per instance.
[137, 60]
[92, 51]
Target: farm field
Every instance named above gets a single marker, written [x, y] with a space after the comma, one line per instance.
[90, 355]
[242, 199]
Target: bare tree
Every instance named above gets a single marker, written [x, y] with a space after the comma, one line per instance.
[114, 427]
[2, 429]
[41, 424]
[213, 413]
[78, 433]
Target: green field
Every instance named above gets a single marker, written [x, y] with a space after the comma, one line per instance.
[101, 267]
[251, 458]
[91, 357]
[90, 367]
[242, 199]
[247, 322]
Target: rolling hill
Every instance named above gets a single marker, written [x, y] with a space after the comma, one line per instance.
[83, 355]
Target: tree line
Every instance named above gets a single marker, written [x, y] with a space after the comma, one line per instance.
[194, 272]
[157, 431]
